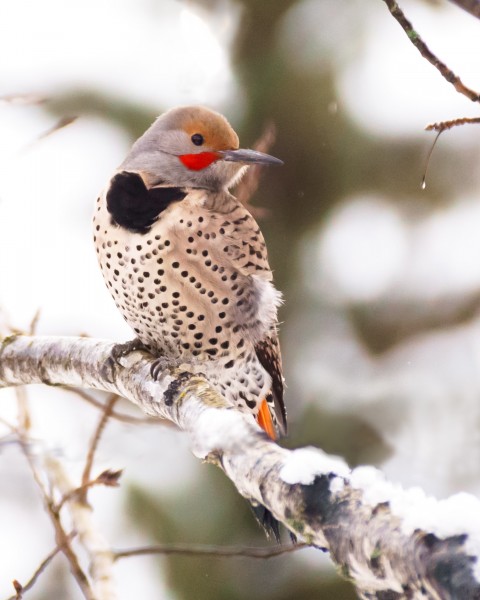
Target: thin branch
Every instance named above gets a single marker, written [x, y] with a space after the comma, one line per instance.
[264, 552]
[440, 128]
[86, 475]
[60, 124]
[390, 542]
[444, 125]
[32, 329]
[420, 45]
[58, 479]
[23, 419]
[40, 569]
[98, 551]
[118, 416]
[106, 478]
[471, 6]
[62, 539]
[249, 183]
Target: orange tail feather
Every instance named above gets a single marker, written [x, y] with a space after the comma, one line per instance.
[264, 419]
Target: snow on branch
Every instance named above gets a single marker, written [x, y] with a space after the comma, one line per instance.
[391, 543]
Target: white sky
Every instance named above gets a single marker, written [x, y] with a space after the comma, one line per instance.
[160, 53]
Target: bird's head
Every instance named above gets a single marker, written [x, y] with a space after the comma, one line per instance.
[192, 146]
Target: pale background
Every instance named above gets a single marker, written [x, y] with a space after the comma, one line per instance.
[381, 333]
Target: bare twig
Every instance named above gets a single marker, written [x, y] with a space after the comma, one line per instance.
[249, 184]
[111, 401]
[24, 422]
[440, 128]
[107, 478]
[40, 569]
[471, 6]
[206, 550]
[118, 416]
[444, 125]
[32, 329]
[101, 561]
[60, 124]
[18, 589]
[62, 538]
[420, 45]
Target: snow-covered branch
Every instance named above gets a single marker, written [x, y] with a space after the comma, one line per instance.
[392, 543]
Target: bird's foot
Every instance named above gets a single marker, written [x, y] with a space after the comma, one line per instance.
[161, 365]
[120, 351]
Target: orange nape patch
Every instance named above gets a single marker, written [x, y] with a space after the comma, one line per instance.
[215, 129]
[200, 160]
[264, 419]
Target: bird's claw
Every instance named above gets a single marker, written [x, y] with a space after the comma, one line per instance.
[118, 352]
[163, 364]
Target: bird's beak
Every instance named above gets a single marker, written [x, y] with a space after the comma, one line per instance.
[249, 157]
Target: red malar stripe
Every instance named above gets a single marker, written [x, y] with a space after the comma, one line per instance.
[197, 162]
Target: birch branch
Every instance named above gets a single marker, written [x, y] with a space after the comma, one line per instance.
[391, 543]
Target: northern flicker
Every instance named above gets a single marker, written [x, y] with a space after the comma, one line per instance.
[186, 262]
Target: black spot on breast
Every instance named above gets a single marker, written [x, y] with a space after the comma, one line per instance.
[135, 207]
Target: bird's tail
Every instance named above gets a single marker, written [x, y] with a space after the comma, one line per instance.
[264, 419]
[263, 516]
[269, 523]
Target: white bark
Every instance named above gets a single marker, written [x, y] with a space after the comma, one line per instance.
[392, 543]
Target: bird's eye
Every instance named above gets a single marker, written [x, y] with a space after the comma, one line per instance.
[197, 139]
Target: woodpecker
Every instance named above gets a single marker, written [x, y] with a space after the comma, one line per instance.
[186, 263]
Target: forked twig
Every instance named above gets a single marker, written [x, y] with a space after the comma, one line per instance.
[20, 588]
[62, 539]
[86, 475]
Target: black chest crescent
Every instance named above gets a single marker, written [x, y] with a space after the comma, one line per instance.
[135, 207]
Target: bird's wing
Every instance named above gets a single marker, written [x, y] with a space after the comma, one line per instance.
[246, 251]
[244, 243]
[268, 353]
